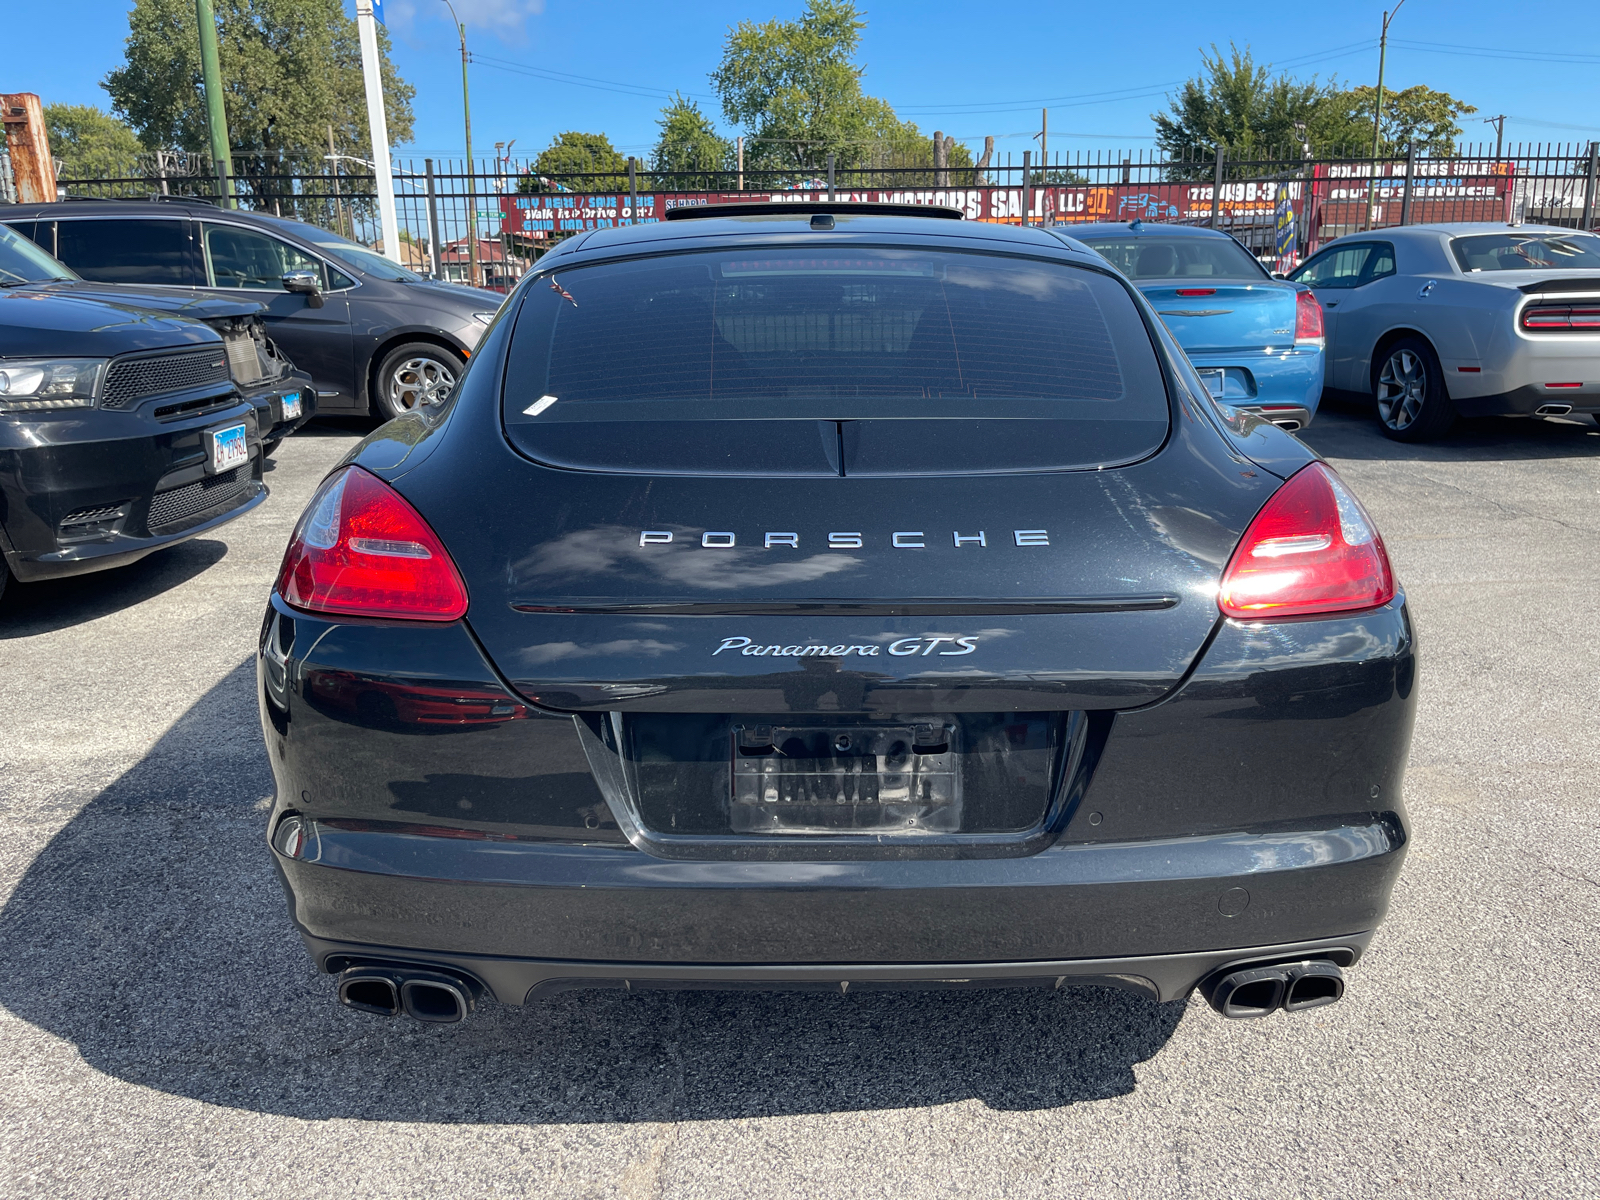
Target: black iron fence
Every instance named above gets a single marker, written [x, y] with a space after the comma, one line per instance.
[489, 223]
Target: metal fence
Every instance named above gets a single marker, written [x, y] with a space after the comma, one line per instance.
[489, 223]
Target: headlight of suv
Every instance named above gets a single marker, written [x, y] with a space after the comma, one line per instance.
[32, 384]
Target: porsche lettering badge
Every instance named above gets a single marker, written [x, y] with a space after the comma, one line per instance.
[904, 539]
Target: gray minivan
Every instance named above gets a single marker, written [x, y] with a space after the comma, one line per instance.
[373, 335]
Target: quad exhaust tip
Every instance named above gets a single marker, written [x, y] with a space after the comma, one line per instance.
[1251, 992]
[434, 997]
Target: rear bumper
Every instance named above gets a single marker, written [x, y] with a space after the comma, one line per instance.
[1162, 977]
[1529, 400]
[1256, 808]
[1292, 376]
[1069, 911]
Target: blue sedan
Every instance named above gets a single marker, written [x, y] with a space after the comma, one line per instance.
[1255, 340]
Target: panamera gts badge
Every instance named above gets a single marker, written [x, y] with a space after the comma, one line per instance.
[905, 539]
[903, 648]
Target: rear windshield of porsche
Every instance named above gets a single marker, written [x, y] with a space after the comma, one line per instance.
[832, 331]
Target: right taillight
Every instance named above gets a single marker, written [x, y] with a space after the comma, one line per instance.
[1562, 318]
[361, 550]
[1308, 329]
[1311, 549]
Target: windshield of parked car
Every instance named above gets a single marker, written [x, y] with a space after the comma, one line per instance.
[781, 331]
[21, 261]
[368, 262]
[1166, 257]
[1526, 251]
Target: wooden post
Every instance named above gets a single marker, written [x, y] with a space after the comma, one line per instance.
[29, 146]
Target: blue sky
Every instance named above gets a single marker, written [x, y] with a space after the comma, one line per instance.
[969, 69]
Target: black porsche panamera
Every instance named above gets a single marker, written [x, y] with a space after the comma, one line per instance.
[808, 597]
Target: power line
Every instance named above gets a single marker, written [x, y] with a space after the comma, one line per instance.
[1454, 50]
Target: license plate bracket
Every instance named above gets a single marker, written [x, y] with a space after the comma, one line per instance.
[226, 448]
[846, 779]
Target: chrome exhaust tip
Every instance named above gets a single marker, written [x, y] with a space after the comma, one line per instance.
[434, 997]
[1552, 410]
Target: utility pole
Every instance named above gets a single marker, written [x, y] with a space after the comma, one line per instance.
[1044, 146]
[378, 128]
[1499, 124]
[216, 118]
[472, 189]
[1377, 111]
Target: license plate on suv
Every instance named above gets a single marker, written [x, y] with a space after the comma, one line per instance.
[818, 779]
[230, 448]
[292, 407]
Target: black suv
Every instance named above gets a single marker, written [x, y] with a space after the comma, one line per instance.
[122, 427]
[373, 335]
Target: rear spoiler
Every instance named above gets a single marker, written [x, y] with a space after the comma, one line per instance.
[1591, 284]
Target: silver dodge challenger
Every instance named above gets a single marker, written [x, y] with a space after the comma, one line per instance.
[1469, 319]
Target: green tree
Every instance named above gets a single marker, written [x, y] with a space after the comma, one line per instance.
[1416, 113]
[1237, 104]
[1241, 106]
[290, 70]
[690, 143]
[90, 143]
[573, 153]
[795, 88]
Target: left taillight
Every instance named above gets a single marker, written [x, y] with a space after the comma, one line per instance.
[1311, 549]
[1308, 328]
[361, 550]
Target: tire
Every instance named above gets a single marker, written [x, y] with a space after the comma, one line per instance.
[415, 376]
[270, 447]
[1408, 385]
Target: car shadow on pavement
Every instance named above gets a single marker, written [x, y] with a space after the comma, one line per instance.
[1346, 427]
[28, 609]
[151, 933]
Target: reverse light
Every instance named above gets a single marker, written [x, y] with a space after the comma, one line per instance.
[1311, 549]
[1308, 328]
[361, 550]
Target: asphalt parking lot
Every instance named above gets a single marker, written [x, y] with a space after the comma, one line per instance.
[163, 1033]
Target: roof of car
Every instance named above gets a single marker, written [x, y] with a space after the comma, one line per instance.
[729, 230]
[1132, 228]
[172, 206]
[1459, 228]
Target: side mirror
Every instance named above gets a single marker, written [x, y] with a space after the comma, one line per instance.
[1279, 275]
[304, 283]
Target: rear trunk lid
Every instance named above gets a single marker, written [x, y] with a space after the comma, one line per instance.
[1212, 319]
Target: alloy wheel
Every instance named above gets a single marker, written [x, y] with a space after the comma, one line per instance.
[420, 382]
[1402, 389]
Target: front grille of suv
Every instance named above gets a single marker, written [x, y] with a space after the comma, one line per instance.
[172, 509]
[130, 380]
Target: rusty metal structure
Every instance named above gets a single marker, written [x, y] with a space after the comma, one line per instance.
[33, 170]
